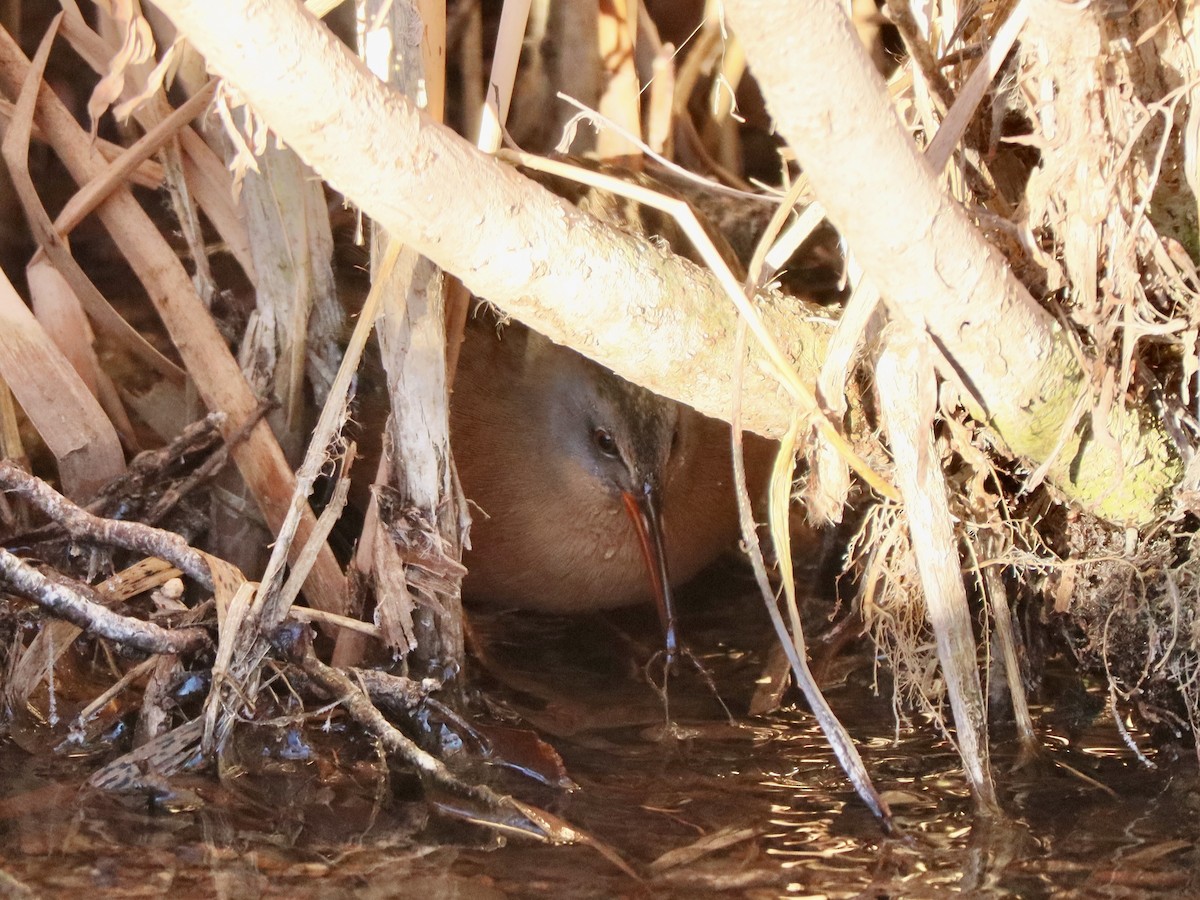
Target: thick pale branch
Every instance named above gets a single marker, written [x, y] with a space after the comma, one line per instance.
[934, 268]
[648, 315]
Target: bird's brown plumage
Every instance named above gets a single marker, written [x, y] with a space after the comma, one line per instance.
[550, 529]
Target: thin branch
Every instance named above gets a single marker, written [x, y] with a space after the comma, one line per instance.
[70, 603]
[81, 524]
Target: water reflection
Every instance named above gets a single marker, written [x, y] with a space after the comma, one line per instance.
[1086, 820]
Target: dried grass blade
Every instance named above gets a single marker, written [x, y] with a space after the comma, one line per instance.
[56, 400]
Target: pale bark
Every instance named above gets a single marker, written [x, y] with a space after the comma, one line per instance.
[933, 267]
[908, 395]
[565, 274]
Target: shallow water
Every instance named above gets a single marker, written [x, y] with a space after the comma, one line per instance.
[756, 807]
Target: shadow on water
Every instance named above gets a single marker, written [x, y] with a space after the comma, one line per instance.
[754, 806]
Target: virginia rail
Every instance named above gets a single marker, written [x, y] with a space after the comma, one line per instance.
[590, 492]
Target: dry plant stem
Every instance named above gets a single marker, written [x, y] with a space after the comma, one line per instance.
[432, 14]
[209, 180]
[135, 674]
[217, 377]
[92, 195]
[968, 100]
[908, 397]
[793, 644]
[272, 601]
[411, 327]
[513, 18]
[529, 265]
[73, 605]
[934, 268]
[412, 339]
[297, 319]
[747, 193]
[1002, 618]
[81, 524]
[154, 714]
[660, 105]
[721, 127]
[149, 174]
[56, 399]
[831, 484]
[304, 614]
[917, 44]
[619, 98]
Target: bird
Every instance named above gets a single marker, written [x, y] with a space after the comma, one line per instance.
[589, 492]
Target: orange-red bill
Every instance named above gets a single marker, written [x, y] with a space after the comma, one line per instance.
[643, 510]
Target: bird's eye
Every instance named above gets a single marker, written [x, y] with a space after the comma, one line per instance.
[605, 442]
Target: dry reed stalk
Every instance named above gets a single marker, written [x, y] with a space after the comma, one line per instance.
[908, 394]
[504, 71]
[620, 96]
[56, 400]
[412, 329]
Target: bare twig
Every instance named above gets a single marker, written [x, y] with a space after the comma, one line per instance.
[79, 523]
[71, 604]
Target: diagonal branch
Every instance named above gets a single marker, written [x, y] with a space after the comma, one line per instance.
[636, 308]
